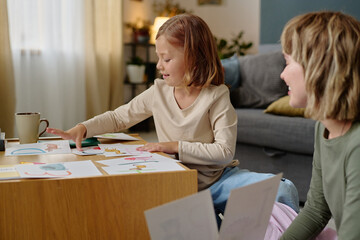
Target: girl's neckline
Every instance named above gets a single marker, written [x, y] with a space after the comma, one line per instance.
[186, 103]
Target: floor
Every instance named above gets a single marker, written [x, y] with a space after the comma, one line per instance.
[150, 136]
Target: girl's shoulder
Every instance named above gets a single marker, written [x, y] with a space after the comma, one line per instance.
[217, 91]
[161, 86]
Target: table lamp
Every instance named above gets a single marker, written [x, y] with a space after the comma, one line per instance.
[157, 24]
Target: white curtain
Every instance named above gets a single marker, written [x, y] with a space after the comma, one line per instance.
[47, 42]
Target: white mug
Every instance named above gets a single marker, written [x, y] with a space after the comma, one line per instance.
[27, 124]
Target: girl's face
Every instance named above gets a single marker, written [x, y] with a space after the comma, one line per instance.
[171, 62]
[293, 75]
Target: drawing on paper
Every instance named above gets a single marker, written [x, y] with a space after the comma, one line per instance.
[144, 158]
[119, 149]
[28, 151]
[56, 170]
[114, 150]
[49, 147]
[64, 169]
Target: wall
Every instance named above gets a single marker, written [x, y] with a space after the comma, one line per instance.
[225, 20]
[275, 14]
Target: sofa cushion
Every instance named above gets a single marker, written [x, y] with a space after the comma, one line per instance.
[282, 107]
[260, 82]
[293, 134]
[232, 71]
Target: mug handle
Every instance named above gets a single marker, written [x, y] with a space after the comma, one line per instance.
[47, 125]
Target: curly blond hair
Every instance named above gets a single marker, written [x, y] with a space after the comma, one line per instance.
[327, 45]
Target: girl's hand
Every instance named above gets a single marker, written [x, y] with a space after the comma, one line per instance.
[166, 147]
[76, 134]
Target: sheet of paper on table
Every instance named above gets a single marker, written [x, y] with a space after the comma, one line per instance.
[247, 214]
[117, 136]
[149, 162]
[8, 172]
[87, 151]
[118, 150]
[40, 148]
[145, 157]
[55, 170]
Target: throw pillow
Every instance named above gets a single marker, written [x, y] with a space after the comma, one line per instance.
[260, 82]
[232, 71]
[282, 107]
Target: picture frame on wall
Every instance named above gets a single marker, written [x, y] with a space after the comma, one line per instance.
[207, 2]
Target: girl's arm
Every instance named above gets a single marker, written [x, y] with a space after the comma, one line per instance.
[124, 117]
[76, 134]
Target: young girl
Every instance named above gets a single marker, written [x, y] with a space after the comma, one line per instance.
[193, 116]
[322, 51]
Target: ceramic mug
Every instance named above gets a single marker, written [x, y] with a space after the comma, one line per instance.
[27, 124]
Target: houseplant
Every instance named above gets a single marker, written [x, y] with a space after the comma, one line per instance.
[135, 68]
[227, 49]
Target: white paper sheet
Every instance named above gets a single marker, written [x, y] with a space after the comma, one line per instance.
[8, 172]
[59, 170]
[48, 147]
[143, 167]
[118, 150]
[248, 210]
[247, 214]
[190, 218]
[118, 136]
[87, 151]
[146, 157]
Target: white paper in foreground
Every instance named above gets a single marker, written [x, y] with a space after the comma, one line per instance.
[188, 218]
[248, 210]
[247, 214]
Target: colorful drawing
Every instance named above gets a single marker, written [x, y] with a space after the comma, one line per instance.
[86, 151]
[117, 151]
[51, 147]
[53, 173]
[142, 166]
[28, 151]
[135, 163]
[53, 167]
[64, 169]
[48, 147]
[137, 169]
[146, 158]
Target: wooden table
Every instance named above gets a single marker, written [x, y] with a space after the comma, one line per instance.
[102, 207]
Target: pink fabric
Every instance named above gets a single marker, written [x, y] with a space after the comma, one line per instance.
[280, 220]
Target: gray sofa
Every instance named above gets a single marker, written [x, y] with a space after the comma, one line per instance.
[268, 142]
